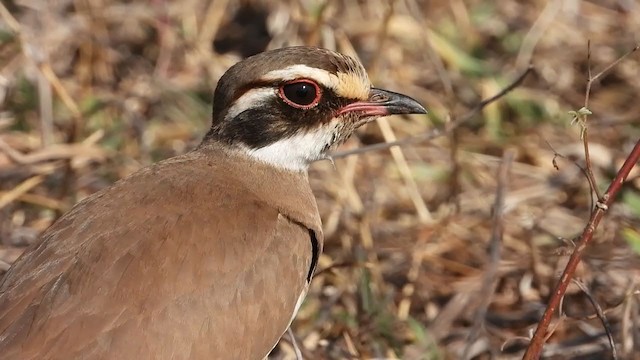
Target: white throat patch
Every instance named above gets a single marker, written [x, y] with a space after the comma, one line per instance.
[296, 152]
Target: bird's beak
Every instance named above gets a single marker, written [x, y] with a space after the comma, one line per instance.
[383, 102]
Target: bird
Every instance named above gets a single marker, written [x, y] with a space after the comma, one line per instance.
[209, 254]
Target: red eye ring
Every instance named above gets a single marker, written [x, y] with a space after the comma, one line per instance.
[300, 94]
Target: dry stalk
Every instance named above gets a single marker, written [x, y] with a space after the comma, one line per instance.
[389, 135]
[495, 249]
[20, 190]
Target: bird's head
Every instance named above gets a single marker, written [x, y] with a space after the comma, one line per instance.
[289, 107]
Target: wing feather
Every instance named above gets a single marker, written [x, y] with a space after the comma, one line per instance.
[175, 261]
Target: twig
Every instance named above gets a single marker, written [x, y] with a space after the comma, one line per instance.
[424, 215]
[604, 71]
[435, 58]
[628, 323]
[55, 152]
[456, 169]
[11, 22]
[45, 71]
[294, 344]
[536, 32]
[601, 316]
[344, 264]
[584, 115]
[437, 132]
[495, 249]
[19, 190]
[535, 347]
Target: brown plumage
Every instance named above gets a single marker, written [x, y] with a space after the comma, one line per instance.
[188, 259]
[202, 256]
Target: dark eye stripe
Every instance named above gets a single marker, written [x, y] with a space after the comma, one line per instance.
[324, 96]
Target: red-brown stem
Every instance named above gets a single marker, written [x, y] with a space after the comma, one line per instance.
[535, 346]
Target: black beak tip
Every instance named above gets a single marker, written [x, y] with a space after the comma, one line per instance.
[397, 103]
[417, 108]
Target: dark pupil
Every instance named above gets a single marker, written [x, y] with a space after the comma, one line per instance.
[300, 93]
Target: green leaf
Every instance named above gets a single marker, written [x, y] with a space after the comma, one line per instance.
[584, 111]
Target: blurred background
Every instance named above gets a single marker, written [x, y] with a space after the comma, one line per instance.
[92, 90]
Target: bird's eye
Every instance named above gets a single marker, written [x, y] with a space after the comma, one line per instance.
[301, 94]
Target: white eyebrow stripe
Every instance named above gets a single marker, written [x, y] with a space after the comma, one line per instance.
[298, 71]
[253, 98]
[353, 85]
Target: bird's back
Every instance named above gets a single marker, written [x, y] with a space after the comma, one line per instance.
[136, 271]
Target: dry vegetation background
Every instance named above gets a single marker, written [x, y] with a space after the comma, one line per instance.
[92, 90]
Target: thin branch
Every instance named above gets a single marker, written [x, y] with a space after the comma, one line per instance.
[535, 347]
[586, 97]
[345, 264]
[607, 69]
[437, 132]
[583, 117]
[294, 344]
[601, 316]
[584, 135]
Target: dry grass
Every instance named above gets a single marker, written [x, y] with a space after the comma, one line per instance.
[91, 90]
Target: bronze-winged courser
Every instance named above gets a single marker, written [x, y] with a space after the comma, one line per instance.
[207, 255]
